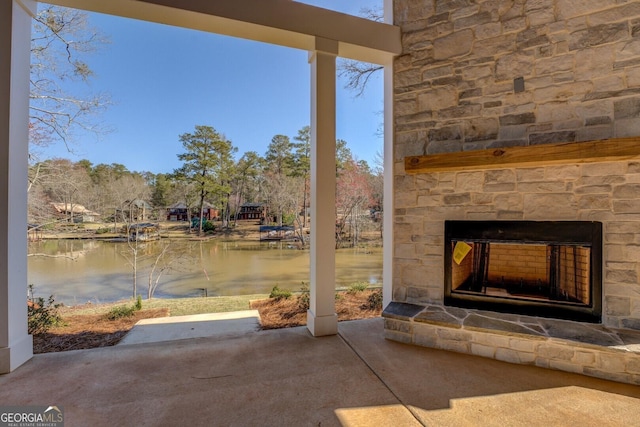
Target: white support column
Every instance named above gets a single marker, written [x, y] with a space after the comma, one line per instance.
[16, 345]
[388, 159]
[321, 316]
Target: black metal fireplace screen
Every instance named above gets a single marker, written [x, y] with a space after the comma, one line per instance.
[541, 268]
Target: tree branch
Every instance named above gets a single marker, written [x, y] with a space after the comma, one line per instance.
[357, 74]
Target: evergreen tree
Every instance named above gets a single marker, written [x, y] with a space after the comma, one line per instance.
[279, 155]
[208, 163]
[302, 162]
[161, 186]
[247, 170]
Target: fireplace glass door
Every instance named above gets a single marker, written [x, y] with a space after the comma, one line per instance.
[540, 268]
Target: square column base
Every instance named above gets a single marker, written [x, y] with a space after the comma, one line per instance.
[321, 326]
[16, 355]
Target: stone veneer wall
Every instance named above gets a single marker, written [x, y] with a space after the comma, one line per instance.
[455, 91]
[454, 83]
[606, 192]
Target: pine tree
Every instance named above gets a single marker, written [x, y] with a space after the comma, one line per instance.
[208, 163]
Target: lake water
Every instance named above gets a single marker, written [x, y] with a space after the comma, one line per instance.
[78, 271]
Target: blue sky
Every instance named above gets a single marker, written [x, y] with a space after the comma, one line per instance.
[163, 81]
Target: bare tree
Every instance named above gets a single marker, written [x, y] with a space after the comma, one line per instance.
[284, 195]
[280, 179]
[372, 13]
[170, 257]
[61, 40]
[63, 183]
[353, 196]
[356, 73]
[377, 189]
[158, 268]
[126, 190]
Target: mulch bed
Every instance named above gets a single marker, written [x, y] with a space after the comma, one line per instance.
[83, 331]
[290, 312]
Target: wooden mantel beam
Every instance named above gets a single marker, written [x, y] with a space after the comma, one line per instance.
[531, 156]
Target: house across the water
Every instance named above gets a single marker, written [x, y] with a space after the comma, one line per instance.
[74, 212]
[252, 211]
[135, 210]
[180, 212]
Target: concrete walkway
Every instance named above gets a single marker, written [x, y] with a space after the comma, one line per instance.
[288, 378]
[219, 325]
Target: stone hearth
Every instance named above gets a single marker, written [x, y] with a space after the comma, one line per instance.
[583, 348]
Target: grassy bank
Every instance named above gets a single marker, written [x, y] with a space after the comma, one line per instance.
[186, 306]
[176, 306]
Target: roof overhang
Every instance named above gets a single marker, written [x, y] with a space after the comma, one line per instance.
[280, 22]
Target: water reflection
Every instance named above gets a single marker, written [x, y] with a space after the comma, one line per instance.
[97, 271]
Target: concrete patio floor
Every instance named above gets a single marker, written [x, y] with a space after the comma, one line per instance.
[288, 378]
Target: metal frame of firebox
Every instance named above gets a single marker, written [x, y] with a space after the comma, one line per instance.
[570, 233]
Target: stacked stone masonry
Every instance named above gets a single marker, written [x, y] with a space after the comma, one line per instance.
[606, 192]
[454, 84]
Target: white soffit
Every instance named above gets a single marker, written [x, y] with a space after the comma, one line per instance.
[280, 22]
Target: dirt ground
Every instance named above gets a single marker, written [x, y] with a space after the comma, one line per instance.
[83, 331]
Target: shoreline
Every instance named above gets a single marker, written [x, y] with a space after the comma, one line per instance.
[245, 230]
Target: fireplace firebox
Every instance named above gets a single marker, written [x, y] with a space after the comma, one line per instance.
[539, 268]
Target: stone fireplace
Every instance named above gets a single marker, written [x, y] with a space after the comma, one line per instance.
[494, 260]
[589, 203]
[518, 111]
[541, 268]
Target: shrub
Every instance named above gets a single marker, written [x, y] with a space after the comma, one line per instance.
[304, 298]
[356, 287]
[207, 226]
[102, 230]
[120, 311]
[278, 294]
[288, 218]
[374, 301]
[41, 315]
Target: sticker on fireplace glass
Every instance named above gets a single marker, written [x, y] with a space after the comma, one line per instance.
[460, 250]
